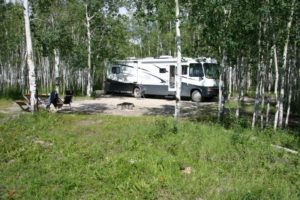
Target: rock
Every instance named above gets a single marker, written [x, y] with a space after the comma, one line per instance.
[185, 170]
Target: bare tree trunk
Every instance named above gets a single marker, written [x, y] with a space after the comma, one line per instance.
[289, 105]
[56, 70]
[235, 79]
[221, 96]
[239, 68]
[276, 88]
[89, 76]
[291, 83]
[64, 78]
[269, 88]
[230, 82]
[257, 80]
[30, 63]
[179, 72]
[248, 79]
[263, 78]
[276, 71]
[285, 51]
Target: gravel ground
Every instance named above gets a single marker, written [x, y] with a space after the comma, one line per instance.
[108, 104]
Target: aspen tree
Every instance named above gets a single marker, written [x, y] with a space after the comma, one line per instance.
[285, 51]
[178, 74]
[88, 29]
[30, 63]
[258, 77]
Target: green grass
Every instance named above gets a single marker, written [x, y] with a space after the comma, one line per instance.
[55, 156]
[4, 104]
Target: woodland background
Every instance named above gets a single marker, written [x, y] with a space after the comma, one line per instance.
[256, 42]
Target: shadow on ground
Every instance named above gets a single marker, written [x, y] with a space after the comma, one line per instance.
[86, 109]
[188, 109]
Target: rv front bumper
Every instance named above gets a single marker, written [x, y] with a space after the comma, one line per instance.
[210, 91]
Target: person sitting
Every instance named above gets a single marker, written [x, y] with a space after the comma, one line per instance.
[53, 99]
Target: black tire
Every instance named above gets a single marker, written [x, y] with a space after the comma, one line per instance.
[137, 92]
[196, 96]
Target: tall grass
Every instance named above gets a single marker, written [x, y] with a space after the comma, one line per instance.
[51, 156]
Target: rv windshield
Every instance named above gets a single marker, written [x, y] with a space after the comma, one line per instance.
[196, 70]
[211, 70]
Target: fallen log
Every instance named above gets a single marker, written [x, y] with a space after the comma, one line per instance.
[285, 149]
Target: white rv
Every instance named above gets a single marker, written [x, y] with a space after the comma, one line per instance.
[156, 76]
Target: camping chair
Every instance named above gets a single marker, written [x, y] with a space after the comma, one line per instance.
[68, 98]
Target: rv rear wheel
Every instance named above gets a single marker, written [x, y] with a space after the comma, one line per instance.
[196, 96]
[137, 92]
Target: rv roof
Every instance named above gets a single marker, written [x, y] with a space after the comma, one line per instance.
[207, 60]
[165, 59]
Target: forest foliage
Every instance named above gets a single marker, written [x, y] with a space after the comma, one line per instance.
[256, 42]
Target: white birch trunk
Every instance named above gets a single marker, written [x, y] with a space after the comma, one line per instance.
[276, 71]
[65, 77]
[89, 71]
[269, 89]
[178, 74]
[257, 81]
[289, 105]
[239, 76]
[221, 97]
[291, 83]
[276, 87]
[230, 82]
[262, 95]
[56, 70]
[30, 63]
[285, 51]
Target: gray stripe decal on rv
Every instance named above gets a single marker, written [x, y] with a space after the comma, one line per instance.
[161, 80]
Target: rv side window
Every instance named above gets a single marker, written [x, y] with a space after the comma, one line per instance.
[184, 69]
[196, 70]
[162, 70]
[115, 70]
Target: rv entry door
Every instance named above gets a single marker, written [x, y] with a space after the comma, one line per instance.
[172, 78]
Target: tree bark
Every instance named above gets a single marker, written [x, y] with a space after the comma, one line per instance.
[263, 78]
[258, 77]
[276, 71]
[89, 71]
[30, 63]
[230, 82]
[56, 70]
[292, 82]
[276, 87]
[239, 67]
[221, 95]
[178, 74]
[285, 51]
[269, 88]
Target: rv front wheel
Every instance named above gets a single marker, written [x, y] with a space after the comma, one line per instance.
[196, 96]
[137, 92]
